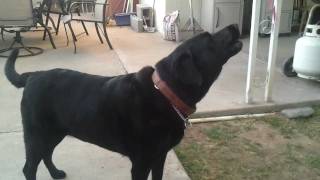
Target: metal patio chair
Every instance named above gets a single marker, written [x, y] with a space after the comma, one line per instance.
[91, 11]
[18, 16]
[53, 7]
[60, 8]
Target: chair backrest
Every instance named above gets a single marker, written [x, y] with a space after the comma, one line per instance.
[56, 6]
[36, 3]
[16, 13]
[101, 12]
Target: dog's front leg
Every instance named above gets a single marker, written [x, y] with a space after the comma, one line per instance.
[157, 168]
[140, 169]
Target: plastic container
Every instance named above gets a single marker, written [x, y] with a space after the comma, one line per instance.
[123, 19]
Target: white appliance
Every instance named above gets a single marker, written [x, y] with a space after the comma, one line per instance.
[217, 14]
[266, 17]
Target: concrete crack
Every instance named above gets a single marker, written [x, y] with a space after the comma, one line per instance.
[122, 64]
[9, 132]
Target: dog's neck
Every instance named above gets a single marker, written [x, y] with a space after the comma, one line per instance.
[181, 107]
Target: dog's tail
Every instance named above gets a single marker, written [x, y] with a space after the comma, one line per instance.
[16, 79]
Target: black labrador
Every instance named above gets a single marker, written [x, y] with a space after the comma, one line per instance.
[140, 115]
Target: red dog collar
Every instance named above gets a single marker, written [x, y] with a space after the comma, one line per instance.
[171, 96]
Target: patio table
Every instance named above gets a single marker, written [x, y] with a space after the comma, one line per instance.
[64, 5]
[48, 4]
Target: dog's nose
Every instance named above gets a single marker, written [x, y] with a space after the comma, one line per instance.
[234, 30]
[234, 26]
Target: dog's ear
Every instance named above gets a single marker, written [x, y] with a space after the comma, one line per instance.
[186, 71]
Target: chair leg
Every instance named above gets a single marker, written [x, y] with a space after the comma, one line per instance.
[53, 24]
[72, 32]
[97, 29]
[46, 25]
[32, 51]
[26, 48]
[83, 25]
[74, 37]
[50, 37]
[65, 29]
[12, 44]
[58, 24]
[48, 4]
[2, 34]
[85, 28]
[8, 49]
[106, 35]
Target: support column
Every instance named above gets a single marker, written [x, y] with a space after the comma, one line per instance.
[273, 50]
[256, 6]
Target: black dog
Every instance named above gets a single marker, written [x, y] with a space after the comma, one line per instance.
[140, 115]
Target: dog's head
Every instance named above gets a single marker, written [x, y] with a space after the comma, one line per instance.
[191, 68]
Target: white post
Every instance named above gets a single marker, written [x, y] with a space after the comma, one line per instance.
[132, 4]
[192, 18]
[253, 49]
[129, 8]
[125, 6]
[273, 49]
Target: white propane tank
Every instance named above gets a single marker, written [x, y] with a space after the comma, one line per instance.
[306, 62]
[307, 57]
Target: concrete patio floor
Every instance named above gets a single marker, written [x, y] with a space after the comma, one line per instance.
[132, 52]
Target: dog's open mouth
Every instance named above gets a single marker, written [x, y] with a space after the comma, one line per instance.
[235, 33]
[228, 39]
[237, 44]
[234, 47]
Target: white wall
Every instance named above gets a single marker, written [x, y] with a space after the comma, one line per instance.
[183, 7]
[164, 7]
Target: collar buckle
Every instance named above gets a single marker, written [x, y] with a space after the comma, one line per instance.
[186, 121]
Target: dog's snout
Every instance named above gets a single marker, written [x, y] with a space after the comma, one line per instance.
[227, 35]
[235, 32]
[234, 26]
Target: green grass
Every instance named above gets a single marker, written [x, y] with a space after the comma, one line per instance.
[310, 126]
[228, 152]
[195, 165]
[291, 154]
[252, 147]
[219, 133]
[313, 161]
[283, 125]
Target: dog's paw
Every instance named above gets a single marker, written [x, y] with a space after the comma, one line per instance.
[59, 174]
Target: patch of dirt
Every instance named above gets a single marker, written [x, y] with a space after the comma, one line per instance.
[265, 136]
[195, 134]
[307, 143]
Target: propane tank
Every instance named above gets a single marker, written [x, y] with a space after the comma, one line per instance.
[307, 51]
